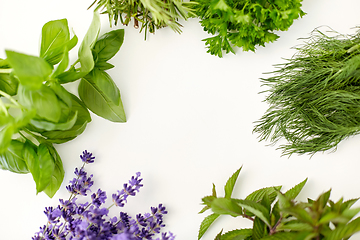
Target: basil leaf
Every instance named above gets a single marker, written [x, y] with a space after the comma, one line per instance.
[85, 54]
[55, 40]
[103, 65]
[32, 162]
[108, 45]
[46, 167]
[70, 75]
[101, 95]
[49, 126]
[43, 100]
[57, 175]
[63, 64]
[5, 137]
[12, 159]
[31, 71]
[83, 118]
[8, 84]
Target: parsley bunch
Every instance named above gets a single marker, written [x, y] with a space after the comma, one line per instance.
[244, 23]
[276, 215]
[149, 14]
[314, 97]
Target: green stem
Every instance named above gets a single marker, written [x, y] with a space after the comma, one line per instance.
[10, 98]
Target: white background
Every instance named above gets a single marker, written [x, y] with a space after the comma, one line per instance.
[190, 121]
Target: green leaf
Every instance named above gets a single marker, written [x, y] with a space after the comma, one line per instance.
[205, 224]
[229, 187]
[283, 236]
[55, 41]
[49, 126]
[293, 192]
[12, 159]
[46, 167]
[43, 100]
[345, 231]
[100, 94]
[300, 213]
[238, 234]
[85, 50]
[256, 208]
[259, 229]
[6, 136]
[32, 161]
[103, 65]
[218, 236]
[58, 173]
[83, 118]
[108, 45]
[30, 70]
[226, 206]
[64, 62]
[295, 226]
[258, 195]
[8, 83]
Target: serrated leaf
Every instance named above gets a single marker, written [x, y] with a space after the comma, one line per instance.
[205, 224]
[281, 236]
[259, 229]
[239, 234]
[345, 231]
[258, 195]
[295, 226]
[226, 206]
[294, 192]
[229, 186]
[256, 208]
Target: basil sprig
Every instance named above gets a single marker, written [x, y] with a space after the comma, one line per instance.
[37, 111]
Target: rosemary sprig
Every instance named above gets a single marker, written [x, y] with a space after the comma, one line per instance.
[149, 15]
[315, 96]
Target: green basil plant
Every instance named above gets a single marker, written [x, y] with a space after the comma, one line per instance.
[36, 111]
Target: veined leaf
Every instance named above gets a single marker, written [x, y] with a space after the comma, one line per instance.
[101, 95]
[55, 41]
[46, 167]
[49, 126]
[31, 71]
[239, 234]
[6, 136]
[8, 83]
[32, 161]
[259, 229]
[256, 208]
[205, 224]
[85, 53]
[258, 195]
[43, 100]
[226, 206]
[12, 159]
[229, 187]
[344, 231]
[108, 45]
[293, 192]
[57, 175]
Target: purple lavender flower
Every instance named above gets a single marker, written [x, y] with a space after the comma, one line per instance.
[98, 198]
[87, 157]
[73, 220]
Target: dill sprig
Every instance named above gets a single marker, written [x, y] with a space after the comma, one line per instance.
[149, 15]
[315, 96]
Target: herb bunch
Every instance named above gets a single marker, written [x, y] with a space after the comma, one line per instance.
[149, 15]
[72, 219]
[315, 96]
[244, 24]
[36, 110]
[278, 216]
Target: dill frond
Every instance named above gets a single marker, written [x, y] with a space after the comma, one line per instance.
[314, 97]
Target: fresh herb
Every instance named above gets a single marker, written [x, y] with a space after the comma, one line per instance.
[150, 14]
[244, 24]
[277, 216]
[89, 220]
[37, 111]
[315, 96]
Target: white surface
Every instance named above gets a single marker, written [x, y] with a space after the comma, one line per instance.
[190, 120]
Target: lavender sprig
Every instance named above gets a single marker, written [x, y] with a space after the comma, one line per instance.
[90, 220]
